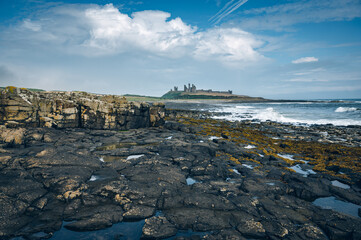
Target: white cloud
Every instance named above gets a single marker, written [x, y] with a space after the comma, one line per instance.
[148, 30]
[305, 60]
[94, 30]
[229, 45]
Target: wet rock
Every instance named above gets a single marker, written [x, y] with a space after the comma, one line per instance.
[273, 228]
[252, 229]
[92, 224]
[157, 228]
[139, 212]
[309, 231]
[85, 176]
[94, 218]
[306, 188]
[228, 234]
[198, 219]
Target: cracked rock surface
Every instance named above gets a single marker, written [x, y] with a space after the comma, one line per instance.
[93, 179]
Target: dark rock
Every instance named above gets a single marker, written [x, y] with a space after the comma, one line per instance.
[309, 231]
[51, 179]
[91, 224]
[198, 219]
[251, 229]
[157, 228]
[139, 212]
[94, 218]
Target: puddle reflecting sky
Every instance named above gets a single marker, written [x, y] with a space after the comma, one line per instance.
[337, 205]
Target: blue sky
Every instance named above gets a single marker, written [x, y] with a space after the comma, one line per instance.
[286, 49]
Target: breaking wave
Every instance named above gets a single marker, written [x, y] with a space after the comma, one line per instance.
[345, 109]
[239, 113]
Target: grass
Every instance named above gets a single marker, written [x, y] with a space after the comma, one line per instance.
[140, 98]
[31, 89]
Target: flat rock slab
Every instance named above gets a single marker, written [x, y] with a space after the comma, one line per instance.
[87, 179]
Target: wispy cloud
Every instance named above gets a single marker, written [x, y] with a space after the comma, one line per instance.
[32, 26]
[305, 60]
[227, 9]
[282, 17]
[307, 80]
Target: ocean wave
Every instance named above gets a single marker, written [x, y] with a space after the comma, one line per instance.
[345, 109]
[289, 103]
[269, 114]
[244, 107]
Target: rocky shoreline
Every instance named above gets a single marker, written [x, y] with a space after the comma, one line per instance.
[192, 178]
[20, 107]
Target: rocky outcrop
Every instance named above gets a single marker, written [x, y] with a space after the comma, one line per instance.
[20, 107]
[158, 183]
[176, 113]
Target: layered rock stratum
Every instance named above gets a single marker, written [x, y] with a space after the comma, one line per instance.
[20, 107]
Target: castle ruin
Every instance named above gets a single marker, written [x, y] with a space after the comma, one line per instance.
[193, 89]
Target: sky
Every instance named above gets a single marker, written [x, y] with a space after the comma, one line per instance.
[278, 49]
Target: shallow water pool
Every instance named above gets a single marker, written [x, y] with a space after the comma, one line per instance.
[337, 205]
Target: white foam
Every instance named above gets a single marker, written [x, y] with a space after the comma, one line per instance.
[248, 166]
[345, 109]
[340, 184]
[249, 147]
[236, 171]
[101, 159]
[288, 103]
[244, 107]
[270, 183]
[93, 178]
[290, 157]
[236, 113]
[134, 156]
[213, 137]
[169, 138]
[287, 156]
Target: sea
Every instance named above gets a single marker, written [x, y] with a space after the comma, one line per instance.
[337, 112]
